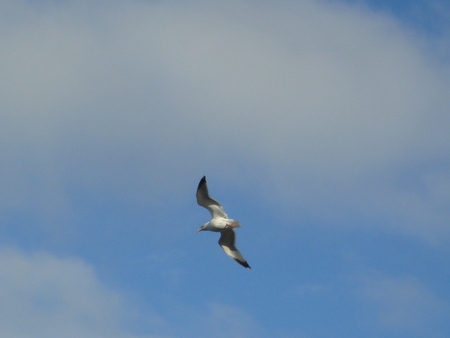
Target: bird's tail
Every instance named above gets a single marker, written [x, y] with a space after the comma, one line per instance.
[235, 224]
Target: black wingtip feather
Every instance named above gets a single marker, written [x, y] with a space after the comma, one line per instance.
[244, 264]
[202, 181]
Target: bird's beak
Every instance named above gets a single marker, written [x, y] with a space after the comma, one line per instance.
[198, 230]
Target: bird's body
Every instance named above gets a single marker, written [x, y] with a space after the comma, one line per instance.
[220, 223]
[217, 224]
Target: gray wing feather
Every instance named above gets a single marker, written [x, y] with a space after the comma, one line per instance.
[228, 243]
[206, 201]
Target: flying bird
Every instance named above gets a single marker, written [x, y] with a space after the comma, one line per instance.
[220, 223]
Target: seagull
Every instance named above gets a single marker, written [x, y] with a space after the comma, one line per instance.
[220, 223]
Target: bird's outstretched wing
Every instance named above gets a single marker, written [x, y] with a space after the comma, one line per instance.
[227, 241]
[204, 200]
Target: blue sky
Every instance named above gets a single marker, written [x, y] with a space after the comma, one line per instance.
[322, 126]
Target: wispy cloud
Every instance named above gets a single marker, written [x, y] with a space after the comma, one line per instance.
[405, 305]
[46, 296]
[340, 105]
[321, 116]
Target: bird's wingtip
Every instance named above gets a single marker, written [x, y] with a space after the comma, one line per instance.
[244, 264]
[202, 181]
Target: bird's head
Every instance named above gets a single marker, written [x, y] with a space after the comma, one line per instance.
[203, 227]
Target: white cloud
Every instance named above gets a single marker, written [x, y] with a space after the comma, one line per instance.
[45, 296]
[324, 111]
[42, 295]
[337, 105]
